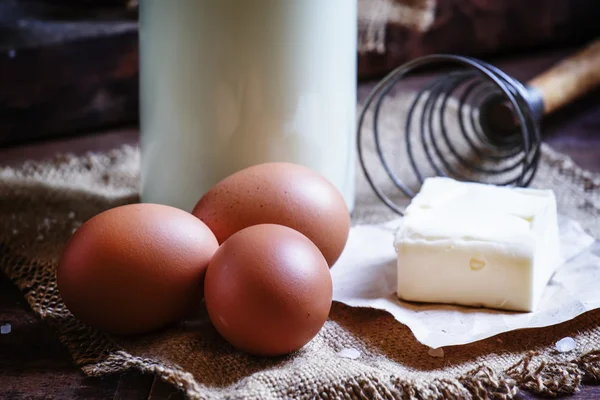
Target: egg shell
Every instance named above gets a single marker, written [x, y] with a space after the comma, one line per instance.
[135, 268]
[278, 193]
[268, 290]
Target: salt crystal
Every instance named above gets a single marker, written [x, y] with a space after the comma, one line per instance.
[40, 238]
[437, 353]
[352, 354]
[5, 329]
[71, 215]
[565, 345]
[15, 232]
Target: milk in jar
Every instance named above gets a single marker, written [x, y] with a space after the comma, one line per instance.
[226, 84]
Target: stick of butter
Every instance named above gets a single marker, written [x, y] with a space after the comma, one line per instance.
[477, 245]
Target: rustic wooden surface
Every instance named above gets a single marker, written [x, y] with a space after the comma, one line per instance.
[481, 28]
[69, 66]
[65, 67]
[33, 363]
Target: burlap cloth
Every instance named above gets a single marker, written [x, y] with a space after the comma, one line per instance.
[41, 203]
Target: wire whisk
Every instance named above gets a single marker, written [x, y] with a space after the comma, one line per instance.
[496, 135]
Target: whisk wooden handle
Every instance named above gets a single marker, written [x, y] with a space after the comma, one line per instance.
[569, 79]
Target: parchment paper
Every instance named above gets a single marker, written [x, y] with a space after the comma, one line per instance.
[365, 276]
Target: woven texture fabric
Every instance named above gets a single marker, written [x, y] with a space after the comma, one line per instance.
[42, 203]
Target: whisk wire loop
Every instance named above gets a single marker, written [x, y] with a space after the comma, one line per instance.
[478, 95]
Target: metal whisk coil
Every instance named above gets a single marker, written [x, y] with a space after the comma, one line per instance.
[497, 119]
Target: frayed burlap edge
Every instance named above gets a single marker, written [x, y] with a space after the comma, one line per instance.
[97, 355]
[565, 165]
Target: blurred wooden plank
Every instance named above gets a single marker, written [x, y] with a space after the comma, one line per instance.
[65, 69]
[64, 89]
[91, 141]
[587, 392]
[34, 364]
[133, 385]
[163, 391]
[485, 28]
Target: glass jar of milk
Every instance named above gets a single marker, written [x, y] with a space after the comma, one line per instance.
[226, 84]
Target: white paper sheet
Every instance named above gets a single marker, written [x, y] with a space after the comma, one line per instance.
[365, 276]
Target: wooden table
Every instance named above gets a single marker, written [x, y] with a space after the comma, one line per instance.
[33, 363]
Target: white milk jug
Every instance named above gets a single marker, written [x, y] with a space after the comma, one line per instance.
[226, 84]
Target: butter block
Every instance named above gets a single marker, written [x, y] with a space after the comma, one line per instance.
[477, 245]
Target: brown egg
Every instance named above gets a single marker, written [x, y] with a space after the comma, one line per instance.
[278, 193]
[268, 290]
[135, 268]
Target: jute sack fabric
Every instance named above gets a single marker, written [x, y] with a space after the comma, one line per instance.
[42, 203]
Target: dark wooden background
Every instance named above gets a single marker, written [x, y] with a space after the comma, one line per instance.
[70, 66]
